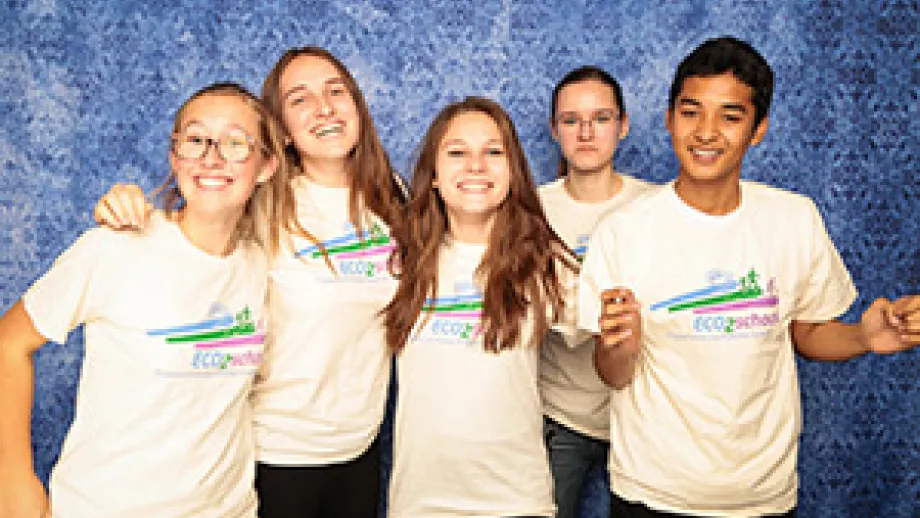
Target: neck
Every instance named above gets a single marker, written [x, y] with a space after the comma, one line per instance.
[593, 186]
[328, 172]
[209, 234]
[470, 229]
[716, 198]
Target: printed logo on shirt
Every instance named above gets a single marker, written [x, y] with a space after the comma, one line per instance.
[581, 246]
[727, 305]
[454, 319]
[224, 343]
[355, 257]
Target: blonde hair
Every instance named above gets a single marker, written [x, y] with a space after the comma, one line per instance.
[269, 198]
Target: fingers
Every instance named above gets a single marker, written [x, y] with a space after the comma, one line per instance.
[619, 320]
[123, 207]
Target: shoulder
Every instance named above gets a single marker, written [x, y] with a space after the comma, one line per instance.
[552, 191]
[777, 201]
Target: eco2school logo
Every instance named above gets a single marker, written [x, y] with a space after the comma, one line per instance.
[356, 256]
[224, 343]
[454, 319]
[728, 305]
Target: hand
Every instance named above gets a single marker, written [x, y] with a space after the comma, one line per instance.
[890, 327]
[23, 497]
[123, 207]
[620, 322]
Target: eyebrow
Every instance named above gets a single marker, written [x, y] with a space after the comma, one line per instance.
[299, 88]
[594, 112]
[461, 142]
[727, 106]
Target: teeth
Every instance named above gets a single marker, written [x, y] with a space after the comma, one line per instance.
[475, 186]
[705, 152]
[205, 181]
[329, 130]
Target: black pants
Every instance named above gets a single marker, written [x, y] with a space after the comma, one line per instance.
[347, 490]
[620, 508]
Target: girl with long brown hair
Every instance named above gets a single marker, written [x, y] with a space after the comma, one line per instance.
[319, 402]
[482, 279]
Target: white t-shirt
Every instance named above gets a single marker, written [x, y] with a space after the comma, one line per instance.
[321, 397]
[468, 429]
[174, 337]
[570, 388]
[710, 424]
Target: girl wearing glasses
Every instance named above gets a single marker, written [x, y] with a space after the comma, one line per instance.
[483, 279]
[174, 331]
[320, 400]
[587, 119]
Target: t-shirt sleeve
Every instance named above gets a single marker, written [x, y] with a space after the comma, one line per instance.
[67, 294]
[826, 290]
[597, 275]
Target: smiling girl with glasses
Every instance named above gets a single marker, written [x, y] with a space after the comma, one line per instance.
[174, 332]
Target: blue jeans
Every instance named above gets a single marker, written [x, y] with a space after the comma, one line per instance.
[571, 457]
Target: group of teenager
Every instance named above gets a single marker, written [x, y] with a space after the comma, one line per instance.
[239, 337]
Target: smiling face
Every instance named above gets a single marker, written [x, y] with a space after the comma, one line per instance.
[472, 172]
[712, 126]
[588, 125]
[211, 184]
[318, 110]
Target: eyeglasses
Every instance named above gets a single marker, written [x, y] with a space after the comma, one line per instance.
[234, 146]
[600, 119]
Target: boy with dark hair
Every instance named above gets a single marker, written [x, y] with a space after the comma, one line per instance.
[733, 276]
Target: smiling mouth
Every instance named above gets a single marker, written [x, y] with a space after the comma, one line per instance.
[212, 183]
[706, 155]
[336, 128]
[475, 186]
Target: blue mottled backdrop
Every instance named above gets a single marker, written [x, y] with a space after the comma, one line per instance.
[88, 89]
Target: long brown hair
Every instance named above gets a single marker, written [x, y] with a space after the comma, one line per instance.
[269, 197]
[523, 256]
[373, 184]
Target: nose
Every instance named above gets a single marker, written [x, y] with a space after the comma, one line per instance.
[585, 129]
[706, 129]
[325, 107]
[476, 162]
[212, 154]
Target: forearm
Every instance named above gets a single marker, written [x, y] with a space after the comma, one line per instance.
[828, 341]
[616, 366]
[18, 342]
[16, 393]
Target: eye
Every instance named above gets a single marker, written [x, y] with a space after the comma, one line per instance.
[495, 151]
[688, 113]
[731, 117]
[338, 90]
[456, 152]
[568, 121]
[603, 118]
[195, 139]
[297, 100]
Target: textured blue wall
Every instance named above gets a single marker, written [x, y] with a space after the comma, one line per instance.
[88, 88]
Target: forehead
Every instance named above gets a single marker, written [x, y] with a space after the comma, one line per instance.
[588, 94]
[721, 89]
[218, 111]
[308, 70]
[473, 126]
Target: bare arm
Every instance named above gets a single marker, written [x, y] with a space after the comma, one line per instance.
[886, 327]
[21, 494]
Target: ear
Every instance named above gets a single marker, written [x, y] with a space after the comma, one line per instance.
[669, 119]
[552, 131]
[624, 126]
[267, 170]
[434, 183]
[760, 131]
